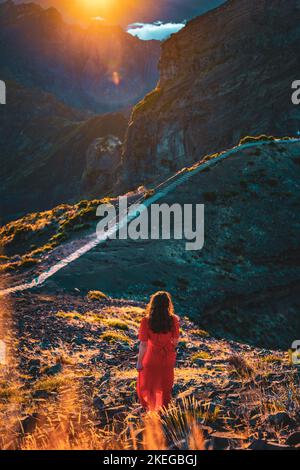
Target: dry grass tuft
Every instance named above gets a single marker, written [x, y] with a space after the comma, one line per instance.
[96, 295]
[240, 366]
[114, 337]
[201, 355]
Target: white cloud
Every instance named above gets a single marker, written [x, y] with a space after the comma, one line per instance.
[157, 30]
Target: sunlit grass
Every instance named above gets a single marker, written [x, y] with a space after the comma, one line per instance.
[201, 355]
[114, 337]
[96, 295]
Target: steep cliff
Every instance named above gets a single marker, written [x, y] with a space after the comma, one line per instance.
[101, 68]
[227, 74]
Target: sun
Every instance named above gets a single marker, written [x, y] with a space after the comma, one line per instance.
[103, 7]
[97, 3]
[115, 11]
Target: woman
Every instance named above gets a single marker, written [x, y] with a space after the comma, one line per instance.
[158, 335]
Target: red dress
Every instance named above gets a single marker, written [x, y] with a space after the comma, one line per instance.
[155, 380]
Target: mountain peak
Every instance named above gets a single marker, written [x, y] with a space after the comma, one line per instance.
[220, 80]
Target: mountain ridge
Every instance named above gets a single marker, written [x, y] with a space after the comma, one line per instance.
[216, 88]
[245, 196]
[100, 68]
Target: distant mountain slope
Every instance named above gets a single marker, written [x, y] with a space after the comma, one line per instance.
[101, 68]
[227, 74]
[244, 284]
[49, 151]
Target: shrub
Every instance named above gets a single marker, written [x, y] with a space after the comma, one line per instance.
[201, 355]
[271, 358]
[96, 295]
[114, 337]
[28, 262]
[201, 333]
[252, 139]
[70, 315]
[240, 366]
[52, 384]
[118, 324]
[149, 193]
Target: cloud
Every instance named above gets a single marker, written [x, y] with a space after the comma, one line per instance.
[157, 30]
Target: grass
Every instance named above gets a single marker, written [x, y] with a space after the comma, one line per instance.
[35, 234]
[52, 384]
[8, 390]
[149, 100]
[260, 138]
[114, 337]
[118, 324]
[96, 295]
[253, 139]
[70, 315]
[149, 193]
[201, 355]
[201, 333]
[240, 366]
[272, 358]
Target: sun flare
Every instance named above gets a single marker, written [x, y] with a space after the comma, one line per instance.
[112, 10]
[97, 3]
[109, 9]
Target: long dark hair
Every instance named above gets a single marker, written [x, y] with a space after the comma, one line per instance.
[160, 312]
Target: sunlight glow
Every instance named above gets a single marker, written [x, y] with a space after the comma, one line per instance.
[97, 3]
[114, 11]
[116, 78]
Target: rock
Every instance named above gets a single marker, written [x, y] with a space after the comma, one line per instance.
[199, 362]
[206, 430]
[53, 370]
[45, 344]
[98, 403]
[225, 441]
[261, 444]
[29, 424]
[293, 439]
[41, 395]
[97, 359]
[102, 158]
[280, 419]
[34, 366]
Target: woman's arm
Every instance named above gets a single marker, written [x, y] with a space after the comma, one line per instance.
[142, 352]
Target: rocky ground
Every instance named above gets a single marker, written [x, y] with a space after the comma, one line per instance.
[239, 396]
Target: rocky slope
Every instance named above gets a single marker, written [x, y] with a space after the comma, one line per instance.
[51, 153]
[76, 359]
[101, 68]
[226, 75]
[247, 274]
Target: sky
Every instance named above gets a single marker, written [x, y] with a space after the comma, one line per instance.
[147, 19]
[156, 30]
